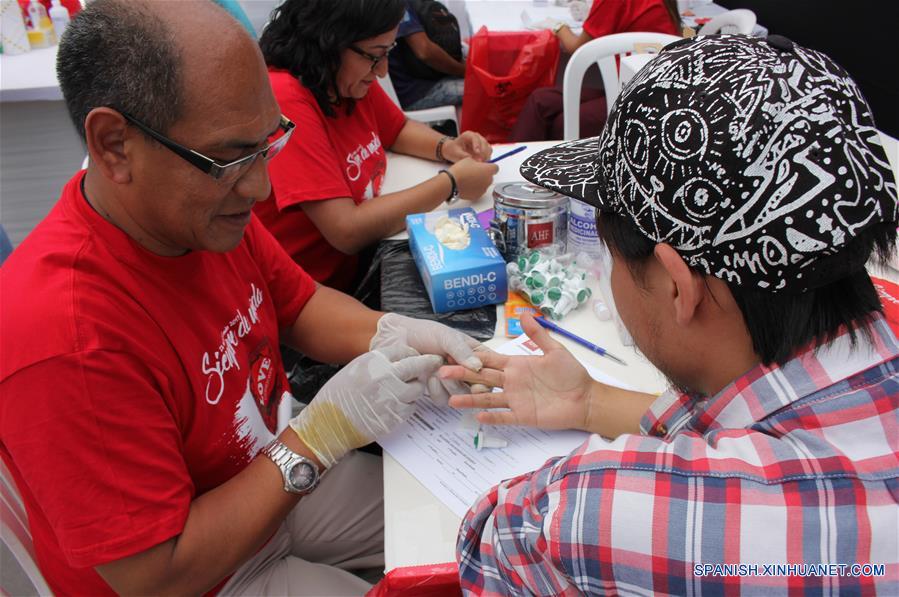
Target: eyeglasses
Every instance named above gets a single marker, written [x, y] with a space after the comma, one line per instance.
[374, 59]
[223, 172]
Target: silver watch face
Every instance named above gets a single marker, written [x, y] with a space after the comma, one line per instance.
[302, 476]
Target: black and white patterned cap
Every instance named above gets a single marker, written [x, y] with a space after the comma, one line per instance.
[756, 159]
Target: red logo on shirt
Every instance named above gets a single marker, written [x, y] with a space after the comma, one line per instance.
[265, 384]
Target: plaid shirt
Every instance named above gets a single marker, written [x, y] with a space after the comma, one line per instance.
[787, 465]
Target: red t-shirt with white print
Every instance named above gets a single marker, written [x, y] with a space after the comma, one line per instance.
[620, 16]
[327, 158]
[132, 383]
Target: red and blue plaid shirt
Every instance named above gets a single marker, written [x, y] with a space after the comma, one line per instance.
[741, 493]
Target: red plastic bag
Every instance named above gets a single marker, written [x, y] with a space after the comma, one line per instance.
[436, 580]
[503, 68]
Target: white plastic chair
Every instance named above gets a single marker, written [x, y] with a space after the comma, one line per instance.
[19, 575]
[602, 51]
[427, 115]
[739, 20]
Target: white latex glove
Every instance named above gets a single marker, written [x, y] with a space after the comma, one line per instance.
[547, 23]
[529, 23]
[430, 337]
[579, 9]
[367, 399]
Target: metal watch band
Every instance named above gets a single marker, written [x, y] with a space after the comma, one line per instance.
[285, 459]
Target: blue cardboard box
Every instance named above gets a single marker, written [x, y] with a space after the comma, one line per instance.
[463, 268]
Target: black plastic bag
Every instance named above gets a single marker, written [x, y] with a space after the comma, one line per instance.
[402, 291]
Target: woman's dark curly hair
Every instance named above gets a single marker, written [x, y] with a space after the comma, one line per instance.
[306, 37]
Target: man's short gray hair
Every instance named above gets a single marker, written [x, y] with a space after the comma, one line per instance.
[119, 54]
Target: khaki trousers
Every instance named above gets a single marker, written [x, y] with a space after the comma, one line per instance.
[339, 527]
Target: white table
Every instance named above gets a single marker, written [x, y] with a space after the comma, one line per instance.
[29, 76]
[418, 529]
[39, 148]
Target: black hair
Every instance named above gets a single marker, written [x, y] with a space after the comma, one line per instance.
[673, 13]
[119, 54]
[306, 37]
[782, 323]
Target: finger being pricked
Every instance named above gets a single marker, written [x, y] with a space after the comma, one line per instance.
[482, 400]
[487, 376]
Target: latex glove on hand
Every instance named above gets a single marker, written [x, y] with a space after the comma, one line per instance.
[468, 145]
[579, 10]
[367, 399]
[432, 338]
[547, 23]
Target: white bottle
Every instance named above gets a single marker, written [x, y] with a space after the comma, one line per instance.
[582, 236]
[40, 33]
[60, 17]
[36, 12]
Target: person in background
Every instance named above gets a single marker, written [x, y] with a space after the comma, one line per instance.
[742, 189]
[542, 116]
[414, 48]
[324, 58]
[144, 411]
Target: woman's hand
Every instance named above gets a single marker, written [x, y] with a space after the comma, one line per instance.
[548, 392]
[473, 177]
[467, 145]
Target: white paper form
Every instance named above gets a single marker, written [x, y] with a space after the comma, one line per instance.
[433, 447]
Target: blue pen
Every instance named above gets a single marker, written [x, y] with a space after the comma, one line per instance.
[590, 345]
[508, 153]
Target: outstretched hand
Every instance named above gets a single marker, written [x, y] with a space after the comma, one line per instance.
[552, 391]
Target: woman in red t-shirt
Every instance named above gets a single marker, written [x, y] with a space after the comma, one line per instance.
[324, 57]
[542, 115]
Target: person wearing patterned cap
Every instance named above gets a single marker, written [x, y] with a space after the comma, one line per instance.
[741, 189]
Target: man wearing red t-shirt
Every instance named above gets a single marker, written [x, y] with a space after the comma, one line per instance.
[542, 115]
[143, 403]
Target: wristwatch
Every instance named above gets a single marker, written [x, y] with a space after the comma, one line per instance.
[301, 475]
[558, 27]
